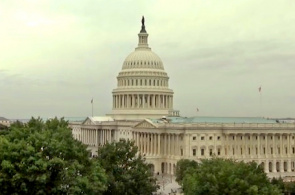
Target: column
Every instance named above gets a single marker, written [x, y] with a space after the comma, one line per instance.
[274, 166]
[169, 152]
[128, 101]
[123, 101]
[289, 165]
[159, 144]
[281, 165]
[266, 166]
[155, 144]
[164, 145]
[177, 145]
[282, 149]
[159, 101]
[274, 147]
[266, 146]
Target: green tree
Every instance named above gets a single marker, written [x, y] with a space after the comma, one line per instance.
[127, 171]
[43, 158]
[182, 166]
[227, 177]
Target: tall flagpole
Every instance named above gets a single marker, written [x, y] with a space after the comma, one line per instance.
[260, 100]
[92, 106]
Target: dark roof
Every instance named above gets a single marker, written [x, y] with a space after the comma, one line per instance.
[3, 119]
[201, 119]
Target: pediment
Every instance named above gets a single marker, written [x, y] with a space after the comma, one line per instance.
[146, 124]
[88, 121]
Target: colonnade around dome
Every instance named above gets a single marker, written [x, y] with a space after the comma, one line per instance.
[142, 101]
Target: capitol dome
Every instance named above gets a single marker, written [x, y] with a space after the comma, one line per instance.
[142, 90]
[143, 58]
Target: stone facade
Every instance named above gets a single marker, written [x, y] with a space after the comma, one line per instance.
[163, 144]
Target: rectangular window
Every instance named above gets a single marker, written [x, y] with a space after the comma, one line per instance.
[210, 138]
[279, 150]
[249, 151]
[181, 152]
[202, 138]
[233, 137]
[241, 137]
[218, 151]
[271, 150]
[218, 138]
[202, 152]
[211, 152]
[256, 150]
[194, 152]
[293, 150]
[264, 150]
[233, 151]
[286, 150]
[194, 138]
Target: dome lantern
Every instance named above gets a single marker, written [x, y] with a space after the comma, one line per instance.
[143, 37]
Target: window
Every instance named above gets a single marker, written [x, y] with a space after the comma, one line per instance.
[271, 137]
[241, 137]
[263, 150]
[233, 137]
[210, 152]
[233, 151]
[271, 151]
[279, 150]
[181, 152]
[278, 137]
[293, 149]
[194, 152]
[218, 151]
[218, 138]
[248, 137]
[210, 138]
[194, 138]
[202, 152]
[202, 138]
[249, 151]
[286, 150]
[256, 137]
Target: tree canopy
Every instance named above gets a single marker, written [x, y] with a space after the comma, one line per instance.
[226, 177]
[43, 158]
[127, 171]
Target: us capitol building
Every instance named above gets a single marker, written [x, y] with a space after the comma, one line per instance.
[143, 111]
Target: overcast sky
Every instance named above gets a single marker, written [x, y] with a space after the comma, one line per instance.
[55, 55]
